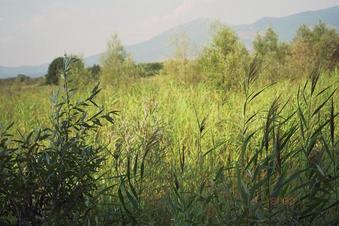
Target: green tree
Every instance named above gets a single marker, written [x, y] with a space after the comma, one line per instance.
[54, 71]
[223, 60]
[179, 64]
[273, 54]
[95, 71]
[264, 44]
[77, 71]
[150, 69]
[316, 47]
[22, 78]
[117, 65]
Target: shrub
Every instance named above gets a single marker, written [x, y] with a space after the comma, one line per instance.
[54, 70]
[76, 72]
[117, 65]
[150, 69]
[273, 54]
[223, 60]
[50, 175]
[95, 71]
[318, 46]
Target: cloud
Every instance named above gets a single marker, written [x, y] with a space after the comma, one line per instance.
[176, 14]
[188, 6]
[185, 7]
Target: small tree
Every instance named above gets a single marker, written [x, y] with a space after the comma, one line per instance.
[273, 54]
[54, 71]
[95, 71]
[315, 47]
[116, 64]
[223, 60]
[77, 71]
[179, 63]
[264, 44]
[150, 69]
[22, 78]
[49, 176]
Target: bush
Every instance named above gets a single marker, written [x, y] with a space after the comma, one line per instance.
[223, 61]
[77, 71]
[95, 71]
[274, 55]
[54, 70]
[150, 69]
[117, 66]
[50, 175]
[318, 46]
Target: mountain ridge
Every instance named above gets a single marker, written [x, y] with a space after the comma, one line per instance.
[159, 47]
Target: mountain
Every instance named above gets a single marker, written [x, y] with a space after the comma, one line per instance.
[159, 47]
[32, 71]
[198, 31]
[286, 27]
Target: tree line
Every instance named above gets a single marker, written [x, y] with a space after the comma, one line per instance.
[222, 61]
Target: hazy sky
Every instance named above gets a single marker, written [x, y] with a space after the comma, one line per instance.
[35, 31]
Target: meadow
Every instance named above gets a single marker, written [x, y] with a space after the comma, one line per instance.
[174, 148]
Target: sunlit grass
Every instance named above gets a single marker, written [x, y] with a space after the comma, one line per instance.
[178, 153]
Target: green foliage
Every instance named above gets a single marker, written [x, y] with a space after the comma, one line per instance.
[273, 54]
[49, 175]
[178, 153]
[54, 71]
[182, 47]
[79, 75]
[22, 78]
[223, 61]
[77, 71]
[180, 64]
[318, 46]
[150, 69]
[117, 66]
[182, 155]
[95, 71]
[266, 43]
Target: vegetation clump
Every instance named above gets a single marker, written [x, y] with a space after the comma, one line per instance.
[50, 175]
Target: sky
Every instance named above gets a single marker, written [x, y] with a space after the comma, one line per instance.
[34, 32]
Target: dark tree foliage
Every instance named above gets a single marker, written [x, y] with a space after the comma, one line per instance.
[95, 70]
[335, 55]
[150, 69]
[54, 70]
[56, 67]
[22, 78]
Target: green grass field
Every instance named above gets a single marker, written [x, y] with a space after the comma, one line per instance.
[184, 154]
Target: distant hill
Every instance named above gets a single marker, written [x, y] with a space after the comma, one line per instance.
[32, 71]
[286, 27]
[159, 47]
[198, 31]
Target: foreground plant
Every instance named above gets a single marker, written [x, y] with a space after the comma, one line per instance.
[50, 175]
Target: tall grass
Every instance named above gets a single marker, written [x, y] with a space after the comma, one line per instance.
[181, 154]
